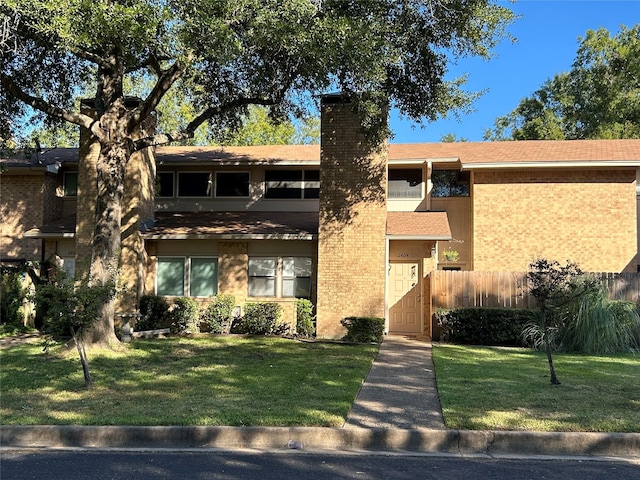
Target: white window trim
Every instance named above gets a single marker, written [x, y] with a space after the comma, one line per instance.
[279, 276]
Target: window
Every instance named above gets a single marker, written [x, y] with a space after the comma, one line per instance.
[194, 184]
[232, 184]
[280, 277]
[292, 183]
[170, 276]
[68, 265]
[70, 182]
[296, 277]
[405, 183]
[203, 277]
[202, 273]
[262, 277]
[450, 183]
[164, 184]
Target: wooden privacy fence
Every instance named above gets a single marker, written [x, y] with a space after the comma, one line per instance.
[451, 289]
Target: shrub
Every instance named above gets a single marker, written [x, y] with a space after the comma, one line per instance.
[184, 316]
[260, 319]
[597, 325]
[363, 329]
[218, 314]
[12, 296]
[154, 312]
[304, 318]
[484, 326]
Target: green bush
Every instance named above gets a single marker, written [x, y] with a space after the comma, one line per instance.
[185, 316]
[12, 296]
[260, 319]
[363, 329]
[599, 326]
[218, 314]
[304, 318]
[484, 326]
[154, 313]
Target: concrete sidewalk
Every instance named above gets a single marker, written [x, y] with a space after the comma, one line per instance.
[400, 390]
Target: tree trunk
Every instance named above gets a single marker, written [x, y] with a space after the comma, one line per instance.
[105, 255]
[77, 339]
[552, 370]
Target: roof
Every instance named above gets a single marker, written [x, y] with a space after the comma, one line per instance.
[234, 225]
[63, 228]
[418, 225]
[471, 155]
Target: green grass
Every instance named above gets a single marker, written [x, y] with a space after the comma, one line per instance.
[186, 381]
[508, 389]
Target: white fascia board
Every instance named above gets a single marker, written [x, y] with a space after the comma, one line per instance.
[419, 237]
[188, 236]
[31, 234]
[420, 161]
[565, 164]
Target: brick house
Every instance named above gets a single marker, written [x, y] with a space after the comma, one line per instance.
[352, 226]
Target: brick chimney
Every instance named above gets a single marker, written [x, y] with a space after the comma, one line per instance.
[353, 212]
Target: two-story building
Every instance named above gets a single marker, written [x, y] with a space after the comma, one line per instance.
[352, 226]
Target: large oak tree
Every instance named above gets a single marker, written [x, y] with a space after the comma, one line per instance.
[224, 55]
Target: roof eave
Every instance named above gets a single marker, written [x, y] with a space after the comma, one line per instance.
[551, 164]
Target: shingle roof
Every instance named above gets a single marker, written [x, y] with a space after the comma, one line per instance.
[303, 225]
[65, 227]
[468, 153]
[426, 225]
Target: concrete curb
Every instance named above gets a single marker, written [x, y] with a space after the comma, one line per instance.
[318, 438]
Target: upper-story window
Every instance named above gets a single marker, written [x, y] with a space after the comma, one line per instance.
[292, 183]
[405, 183]
[164, 184]
[194, 184]
[70, 182]
[450, 183]
[232, 184]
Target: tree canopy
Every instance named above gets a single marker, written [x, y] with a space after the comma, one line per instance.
[598, 98]
[224, 55]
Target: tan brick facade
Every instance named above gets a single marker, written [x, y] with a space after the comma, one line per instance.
[351, 241]
[26, 201]
[584, 216]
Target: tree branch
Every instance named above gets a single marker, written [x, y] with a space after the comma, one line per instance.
[207, 114]
[80, 119]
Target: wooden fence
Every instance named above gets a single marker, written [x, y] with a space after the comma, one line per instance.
[450, 289]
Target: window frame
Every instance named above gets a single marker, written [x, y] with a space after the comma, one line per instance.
[233, 172]
[189, 275]
[66, 175]
[179, 194]
[174, 187]
[459, 183]
[418, 189]
[279, 276]
[304, 183]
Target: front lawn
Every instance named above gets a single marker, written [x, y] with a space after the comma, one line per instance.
[508, 389]
[186, 381]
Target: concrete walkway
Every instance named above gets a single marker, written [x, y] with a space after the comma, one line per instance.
[400, 389]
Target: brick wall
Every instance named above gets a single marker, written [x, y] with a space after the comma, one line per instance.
[588, 217]
[26, 202]
[351, 242]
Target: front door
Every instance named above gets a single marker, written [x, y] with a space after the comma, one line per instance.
[404, 298]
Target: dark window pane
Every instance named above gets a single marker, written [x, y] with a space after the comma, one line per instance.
[232, 184]
[283, 184]
[164, 184]
[405, 183]
[450, 183]
[312, 184]
[71, 184]
[196, 184]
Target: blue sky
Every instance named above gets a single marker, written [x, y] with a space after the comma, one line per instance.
[547, 40]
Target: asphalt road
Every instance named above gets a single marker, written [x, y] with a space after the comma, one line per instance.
[290, 465]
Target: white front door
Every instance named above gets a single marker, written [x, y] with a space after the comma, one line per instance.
[405, 287]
